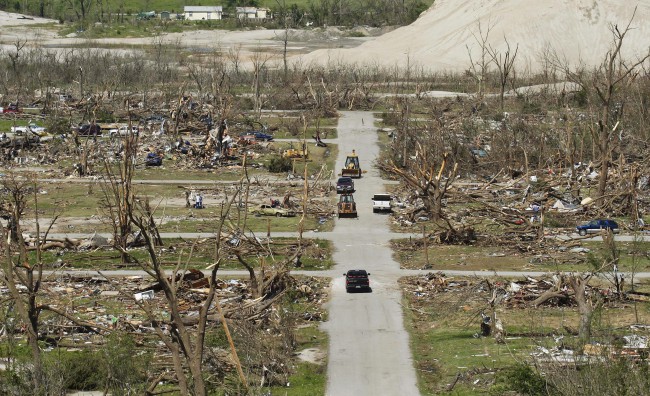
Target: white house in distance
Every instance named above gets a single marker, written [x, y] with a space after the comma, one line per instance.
[202, 13]
[252, 13]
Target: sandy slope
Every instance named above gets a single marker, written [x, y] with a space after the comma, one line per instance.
[577, 30]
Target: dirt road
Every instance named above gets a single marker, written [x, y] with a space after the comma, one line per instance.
[369, 348]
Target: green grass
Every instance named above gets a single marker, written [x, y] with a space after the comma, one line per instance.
[308, 378]
[326, 133]
[317, 256]
[495, 258]
[173, 171]
[257, 224]
[317, 157]
[443, 326]
[6, 124]
[84, 200]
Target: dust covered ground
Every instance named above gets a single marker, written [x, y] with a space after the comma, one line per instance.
[43, 32]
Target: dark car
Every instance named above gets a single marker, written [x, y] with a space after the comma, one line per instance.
[155, 118]
[153, 159]
[89, 130]
[344, 185]
[357, 280]
[12, 108]
[595, 226]
[261, 136]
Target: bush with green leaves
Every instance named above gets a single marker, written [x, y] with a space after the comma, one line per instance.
[609, 377]
[278, 164]
[521, 378]
[114, 368]
[125, 369]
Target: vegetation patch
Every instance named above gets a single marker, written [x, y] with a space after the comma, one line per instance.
[449, 319]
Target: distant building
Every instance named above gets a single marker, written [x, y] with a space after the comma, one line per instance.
[253, 13]
[202, 13]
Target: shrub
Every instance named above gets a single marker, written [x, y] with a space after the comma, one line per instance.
[57, 125]
[125, 371]
[522, 379]
[279, 164]
[623, 377]
[82, 370]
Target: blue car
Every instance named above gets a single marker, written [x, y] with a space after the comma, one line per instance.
[596, 226]
[153, 159]
[260, 136]
[265, 137]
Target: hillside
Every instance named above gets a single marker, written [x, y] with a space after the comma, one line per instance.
[577, 30]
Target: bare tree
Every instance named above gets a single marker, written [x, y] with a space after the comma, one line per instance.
[185, 343]
[259, 68]
[17, 270]
[283, 13]
[579, 282]
[425, 176]
[479, 67]
[504, 63]
[118, 192]
[234, 56]
[612, 75]
[23, 275]
[608, 81]
[16, 58]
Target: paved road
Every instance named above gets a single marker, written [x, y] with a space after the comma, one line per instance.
[369, 348]
[326, 235]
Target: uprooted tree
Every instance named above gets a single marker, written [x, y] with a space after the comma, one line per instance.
[429, 178]
[576, 285]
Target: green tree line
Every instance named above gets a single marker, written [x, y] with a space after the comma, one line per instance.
[318, 12]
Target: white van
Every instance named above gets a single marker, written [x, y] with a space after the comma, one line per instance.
[381, 203]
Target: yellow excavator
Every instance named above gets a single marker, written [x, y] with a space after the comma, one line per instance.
[347, 207]
[352, 167]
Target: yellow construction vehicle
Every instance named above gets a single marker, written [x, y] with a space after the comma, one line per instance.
[296, 153]
[352, 167]
[347, 207]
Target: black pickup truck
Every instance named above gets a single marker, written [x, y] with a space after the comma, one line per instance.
[357, 280]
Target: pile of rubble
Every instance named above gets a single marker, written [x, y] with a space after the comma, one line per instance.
[632, 347]
[99, 305]
[548, 290]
